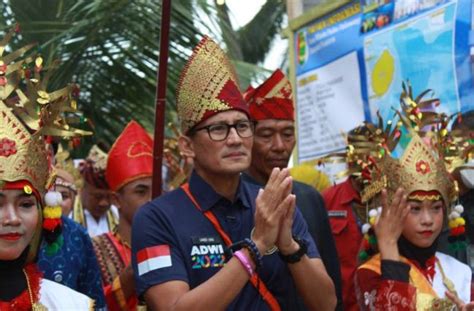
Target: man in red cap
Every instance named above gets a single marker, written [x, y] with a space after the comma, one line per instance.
[128, 173]
[271, 106]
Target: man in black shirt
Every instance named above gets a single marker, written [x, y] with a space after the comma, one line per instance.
[271, 105]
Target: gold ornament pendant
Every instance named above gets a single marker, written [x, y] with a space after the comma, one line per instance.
[37, 306]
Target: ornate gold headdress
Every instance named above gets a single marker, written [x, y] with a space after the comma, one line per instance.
[208, 85]
[419, 169]
[416, 152]
[428, 151]
[28, 112]
[64, 161]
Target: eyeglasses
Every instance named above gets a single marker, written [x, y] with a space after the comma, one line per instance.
[220, 132]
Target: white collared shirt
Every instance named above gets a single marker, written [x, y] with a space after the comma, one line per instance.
[95, 227]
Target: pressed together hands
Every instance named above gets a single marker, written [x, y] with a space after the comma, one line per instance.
[275, 208]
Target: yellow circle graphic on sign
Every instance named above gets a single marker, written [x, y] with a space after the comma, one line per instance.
[382, 74]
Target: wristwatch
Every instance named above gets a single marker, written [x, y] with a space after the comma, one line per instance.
[296, 256]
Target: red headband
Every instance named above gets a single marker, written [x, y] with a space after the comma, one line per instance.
[24, 185]
[272, 99]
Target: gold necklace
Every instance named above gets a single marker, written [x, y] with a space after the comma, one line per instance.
[35, 306]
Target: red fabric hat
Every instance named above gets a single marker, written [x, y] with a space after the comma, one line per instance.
[130, 158]
[272, 99]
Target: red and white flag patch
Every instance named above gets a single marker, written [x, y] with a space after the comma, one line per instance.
[153, 258]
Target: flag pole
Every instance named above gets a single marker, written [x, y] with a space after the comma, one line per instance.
[160, 102]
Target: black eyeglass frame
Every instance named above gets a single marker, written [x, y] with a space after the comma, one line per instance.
[251, 123]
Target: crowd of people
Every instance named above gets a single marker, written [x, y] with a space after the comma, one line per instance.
[239, 232]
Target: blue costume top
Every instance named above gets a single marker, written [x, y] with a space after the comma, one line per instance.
[75, 264]
[175, 241]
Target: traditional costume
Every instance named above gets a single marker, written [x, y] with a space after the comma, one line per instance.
[68, 176]
[464, 176]
[74, 264]
[28, 112]
[93, 172]
[422, 276]
[346, 216]
[273, 100]
[130, 158]
[342, 202]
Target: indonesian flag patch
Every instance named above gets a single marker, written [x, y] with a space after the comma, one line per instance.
[153, 258]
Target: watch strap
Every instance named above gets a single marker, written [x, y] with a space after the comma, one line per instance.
[296, 256]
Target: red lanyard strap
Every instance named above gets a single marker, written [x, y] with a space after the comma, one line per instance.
[255, 279]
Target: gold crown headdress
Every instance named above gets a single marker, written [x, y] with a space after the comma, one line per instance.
[64, 161]
[28, 112]
[419, 133]
[428, 153]
[208, 85]
[427, 149]
[422, 166]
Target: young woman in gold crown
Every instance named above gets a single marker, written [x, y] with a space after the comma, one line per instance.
[415, 193]
[25, 208]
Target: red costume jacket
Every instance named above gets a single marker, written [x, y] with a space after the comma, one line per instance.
[347, 235]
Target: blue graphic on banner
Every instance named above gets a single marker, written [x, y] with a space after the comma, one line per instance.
[427, 42]
[328, 39]
[463, 56]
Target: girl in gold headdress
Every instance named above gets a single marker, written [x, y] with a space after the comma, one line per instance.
[406, 272]
[27, 113]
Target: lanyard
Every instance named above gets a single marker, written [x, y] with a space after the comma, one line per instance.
[255, 279]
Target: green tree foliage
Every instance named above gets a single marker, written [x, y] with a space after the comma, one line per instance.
[110, 48]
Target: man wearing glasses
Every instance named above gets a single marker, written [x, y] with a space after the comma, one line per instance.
[210, 244]
[271, 106]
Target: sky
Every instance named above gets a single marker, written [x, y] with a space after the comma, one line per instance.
[241, 12]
